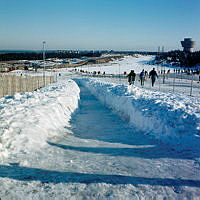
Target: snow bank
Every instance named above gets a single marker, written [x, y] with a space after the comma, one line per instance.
[168, 117]
[28, 119]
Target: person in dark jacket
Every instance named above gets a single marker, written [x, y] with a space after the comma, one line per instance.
[131, 77]
[142, 76]
[153, 74]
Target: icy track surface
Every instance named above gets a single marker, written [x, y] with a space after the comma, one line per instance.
[170, 118]
[91, 154]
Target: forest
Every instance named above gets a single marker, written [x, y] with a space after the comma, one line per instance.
[180, 58]
[49, 54]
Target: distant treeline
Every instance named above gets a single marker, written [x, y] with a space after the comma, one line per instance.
[136, 52]
[39, 55]
[180, 58]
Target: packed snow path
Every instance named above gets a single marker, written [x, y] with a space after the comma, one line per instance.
[104, 158]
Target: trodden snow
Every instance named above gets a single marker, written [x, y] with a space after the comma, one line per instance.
[89, 138]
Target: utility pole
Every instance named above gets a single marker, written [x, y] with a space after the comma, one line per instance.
[164, 65]
[44, 61]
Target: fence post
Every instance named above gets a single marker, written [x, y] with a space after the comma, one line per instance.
[32, 83]
[20, 83]
[14, 84]
[56, 77]
[164, 78]
[26, 83]
[38, 82]
[1, 86]
[191, 85]
[10, 85]
[173, 82]
[22, 80]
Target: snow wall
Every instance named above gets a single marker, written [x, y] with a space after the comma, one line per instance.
[28, 119]
[170, 118]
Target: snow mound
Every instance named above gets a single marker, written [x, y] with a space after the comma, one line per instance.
[28, 119]
[170, 118]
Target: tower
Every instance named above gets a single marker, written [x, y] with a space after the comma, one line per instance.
[187, 44]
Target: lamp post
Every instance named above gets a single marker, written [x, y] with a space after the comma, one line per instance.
[44, 61]
[119, 74]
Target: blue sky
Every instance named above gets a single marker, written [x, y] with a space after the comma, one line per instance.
[98, 24]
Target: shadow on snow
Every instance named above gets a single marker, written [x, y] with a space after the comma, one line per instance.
[149, 152]
[47, 176]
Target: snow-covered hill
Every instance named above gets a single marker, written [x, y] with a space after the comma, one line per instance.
[126, 64]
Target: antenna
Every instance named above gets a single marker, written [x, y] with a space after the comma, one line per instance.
[159, 50]
[163, 49]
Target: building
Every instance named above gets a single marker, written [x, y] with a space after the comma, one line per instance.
[187, 44]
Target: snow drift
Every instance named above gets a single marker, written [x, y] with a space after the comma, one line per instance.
[28, 119]
[170, 118]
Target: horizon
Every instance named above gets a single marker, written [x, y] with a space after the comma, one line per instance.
[142, 25]
[107, 50]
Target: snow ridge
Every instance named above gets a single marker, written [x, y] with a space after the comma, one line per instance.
[170, 118]
[28, 119]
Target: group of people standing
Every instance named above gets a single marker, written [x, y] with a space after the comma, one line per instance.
[143, 75]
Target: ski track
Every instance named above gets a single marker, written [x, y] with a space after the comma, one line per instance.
[94, 163]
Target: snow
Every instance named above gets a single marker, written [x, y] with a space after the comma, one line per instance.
[98, 138]
[28, 119]
[173, 82]
[39, 72]
[126, 64]
[171, 118]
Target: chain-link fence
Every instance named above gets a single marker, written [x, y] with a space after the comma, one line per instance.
[11, 84]
[188, 84]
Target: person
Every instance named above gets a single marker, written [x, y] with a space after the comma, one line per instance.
[153, 74]
[168, 72]
[131, 77]
[142, 76]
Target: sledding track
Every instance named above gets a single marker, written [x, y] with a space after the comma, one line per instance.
[103, 158]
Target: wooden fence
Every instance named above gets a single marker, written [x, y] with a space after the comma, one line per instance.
[11, 84]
